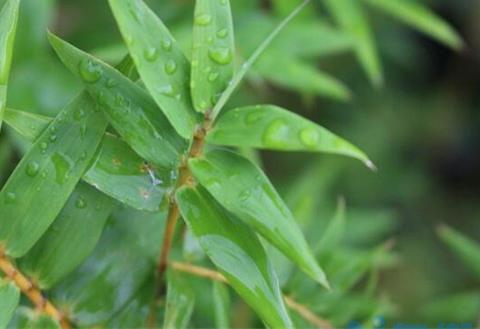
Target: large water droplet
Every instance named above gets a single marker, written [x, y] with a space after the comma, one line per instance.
[170, 66]
[62, 164]
[32, 168]
[89, 71]
[167, 90]
[167, 44]
[277, 134]
[309, 137]
[220, 55]
[150, 54]
[81, 203]
[53, 138]
[222, 33]
[203, 19]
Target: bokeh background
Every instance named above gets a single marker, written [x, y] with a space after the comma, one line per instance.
[421, 127]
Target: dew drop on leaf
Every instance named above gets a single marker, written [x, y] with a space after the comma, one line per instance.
[203, 19]
[309, 137]
[220, 55]
[276, 134]
[81, 203]
[213, 76]
[32, 168]
[167, 44]
[89, 71]
[150, 54]
[222, 33]
[11, 197]
[170, 66]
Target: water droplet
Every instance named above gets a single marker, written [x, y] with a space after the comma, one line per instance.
[213, 76]
[81, 203]
[222, 33]
[203, 105]
[194, 63]
[277, 134]
[150, 54]
[129, 40]
[167, 90]
[170, 66]
[53, 138]
[203, 19]
[79, 114]
[43, 146]
[11, 197]
[253, 117]
[111, 83]
[119, 100]
[62, 164]
[98, 207]
[32, 168]
[210, 39]
[223, 2]
[89, 71]
[244, 195]
[167, 44]
[43, 174]
[220, 55]
[309, 137]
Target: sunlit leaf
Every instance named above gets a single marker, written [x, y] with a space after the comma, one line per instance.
[244, 190]
[117, 170]
[271, 127]
[350, 15]
[221, 300]
[159, 60]
[464, 247]
[70, 239]
[179, 305]
[129, 109]
[212, 52]
[8, 23]
[420, 17]
[9, 299]
[237, 252]
[48, 173]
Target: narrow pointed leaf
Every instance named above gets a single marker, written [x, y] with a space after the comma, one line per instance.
[70, 239]
[48, 173]
[180, 301]
[129, 109]
[244, 190]
[212, 52]
[334, 232]
[8, 24]
[160, 62]
[464, 247]
[9, 299]
[116, 171]
[271, 127]
[350, 15]
[420, 17]
[221, 301]
[237, 253]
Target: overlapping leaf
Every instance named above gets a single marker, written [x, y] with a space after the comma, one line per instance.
[180, 302]
[9, 299]
[221, 300]
[159, 60]
[237, 252]
[270, 127]
[212, 52]
[129, 109]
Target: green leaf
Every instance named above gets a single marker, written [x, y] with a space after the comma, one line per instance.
[271, 127]
[350, 16]
[221, 303]
[458, 307]
[420, 17]
[465, 248]
[48, 173]
[212, 52]
[292, 73]
[116, 171]
[120, 265]
[180, 301]
[243, 189]
[162, 66]
[9, 299]
[335, 230]
[129, 109]
[70, 239]
[8, 24]
[237, 252]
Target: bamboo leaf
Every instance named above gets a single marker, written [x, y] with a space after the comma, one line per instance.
[116, 171]
[244, 190]
[8, 24]
[335, 230]
[420, 17]
[180, 302]
[350, 15]
[160, 62]
[458, 307]
[120, 265]
[212, 52]
[70, 239]
[237, 252]
[9, 299]
[221, 300]
[48, 173]
[465, 248]
[271, 127]
[126, 105]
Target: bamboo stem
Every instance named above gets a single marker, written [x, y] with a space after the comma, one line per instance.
[29, 289]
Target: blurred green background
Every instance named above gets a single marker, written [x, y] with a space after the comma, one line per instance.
[421, 127]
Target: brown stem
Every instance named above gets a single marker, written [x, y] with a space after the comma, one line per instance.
[29, 289]
[301, 309]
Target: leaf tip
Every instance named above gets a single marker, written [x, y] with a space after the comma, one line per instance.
[370, 165]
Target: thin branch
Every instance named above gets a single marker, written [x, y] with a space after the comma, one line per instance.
[300, 309]
[29, 289]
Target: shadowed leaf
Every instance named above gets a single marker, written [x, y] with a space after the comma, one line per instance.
[180, 301]
[9, 299]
